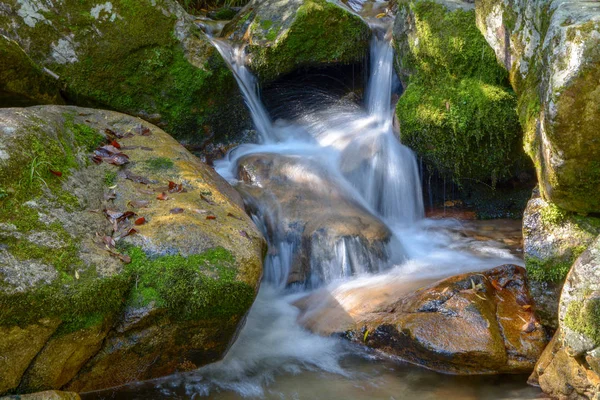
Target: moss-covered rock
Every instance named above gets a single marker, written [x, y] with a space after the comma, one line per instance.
[569, 367]
[191, 266]
[456, 112]
[22, 82]
[282, 36]
[552, 51]
[553, 238]
[145, 58]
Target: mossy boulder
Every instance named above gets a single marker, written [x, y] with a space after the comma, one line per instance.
[144, 58]
[570, 366]
[457, 111]
[473, 323]
[22, 82]
[552, 51]
[281, 36]
[46, 395]
[90, 300]
[553, 238]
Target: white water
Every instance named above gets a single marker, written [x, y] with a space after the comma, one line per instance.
[356, 153]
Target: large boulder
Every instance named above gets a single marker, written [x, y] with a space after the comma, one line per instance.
[144, 58]
[133, 268]
[570, 365]
[552, 240]
[330, 234]
[22, 82]
[457, 110]
[281, 36]
[552, 51]
[474, 323]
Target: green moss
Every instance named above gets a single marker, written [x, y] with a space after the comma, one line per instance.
[321, 33]
[194, 287]
[553, 215]
[225, 13]
[465, 129]
[584, 317]
[110, 177]
[159, 163]
[547, 270]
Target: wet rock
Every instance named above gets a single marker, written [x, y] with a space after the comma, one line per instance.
[95, 248]
[22, 82]
[282, 36]
[552, 240]
[569, 366]
[475, 323]
[106, 57]
[330, 233]
[552, 52]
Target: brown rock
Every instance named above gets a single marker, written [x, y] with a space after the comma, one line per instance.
[47, 395]
[474, 323]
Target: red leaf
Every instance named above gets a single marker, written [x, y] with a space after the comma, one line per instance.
[496, 285]
[162, 196]
[211, 217]
[126, 215]
[176, 210]
[145, 131]
[140, 221]
[97, 159]
[130, 232]
[57, 173]
[115, 144]
[176, 188]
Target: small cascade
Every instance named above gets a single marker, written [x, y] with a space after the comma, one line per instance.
[344, 161]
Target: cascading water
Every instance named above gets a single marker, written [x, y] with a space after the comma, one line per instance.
[340, 158]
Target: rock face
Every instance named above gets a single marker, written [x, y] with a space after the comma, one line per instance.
[475, 323]
[457, 110]
[22, 82]
[309, 210]
[90, 299]
[144, 58]
[282, 36]
[552, 51]
[47, 395]
[552, 241]
[570, 365]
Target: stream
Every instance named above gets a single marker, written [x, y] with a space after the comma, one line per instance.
[338, 160]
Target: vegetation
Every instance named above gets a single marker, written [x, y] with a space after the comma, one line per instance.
[194, 6]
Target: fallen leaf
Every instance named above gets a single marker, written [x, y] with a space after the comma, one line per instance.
[233, 216]
[109, 241]
[97, 159]
[111, 195]
[57, 173]
[123, 257]
[76, 274]
[162, 196]
[126, 215]
[147, 148]
[139, 203]
[145, 131]
[109, 148]
[198, 211]
[137, 178]
[209, 201]
[496, 285]
[140, 221]
[176, 188]
[115, 144]
[526, 307]
[118, 159]
[113, 214]
[529, 326]
[176, 210]
[211, 217]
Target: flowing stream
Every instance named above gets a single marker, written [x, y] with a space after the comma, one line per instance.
[340, 156]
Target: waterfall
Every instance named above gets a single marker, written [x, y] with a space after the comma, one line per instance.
[354, 152]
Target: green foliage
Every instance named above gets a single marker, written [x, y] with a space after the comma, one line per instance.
[547, 270]
[159, 163]
[110, 177]
[194, 287]
[584, 317]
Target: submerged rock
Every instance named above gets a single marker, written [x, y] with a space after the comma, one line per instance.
[552, 51]
[552, 240]
[114, 272]
[22, 82]
[144, 58]
[474, 323]
[570, 365]
[282, 36]
[330, 234]
[457, 111]
[47, 395]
